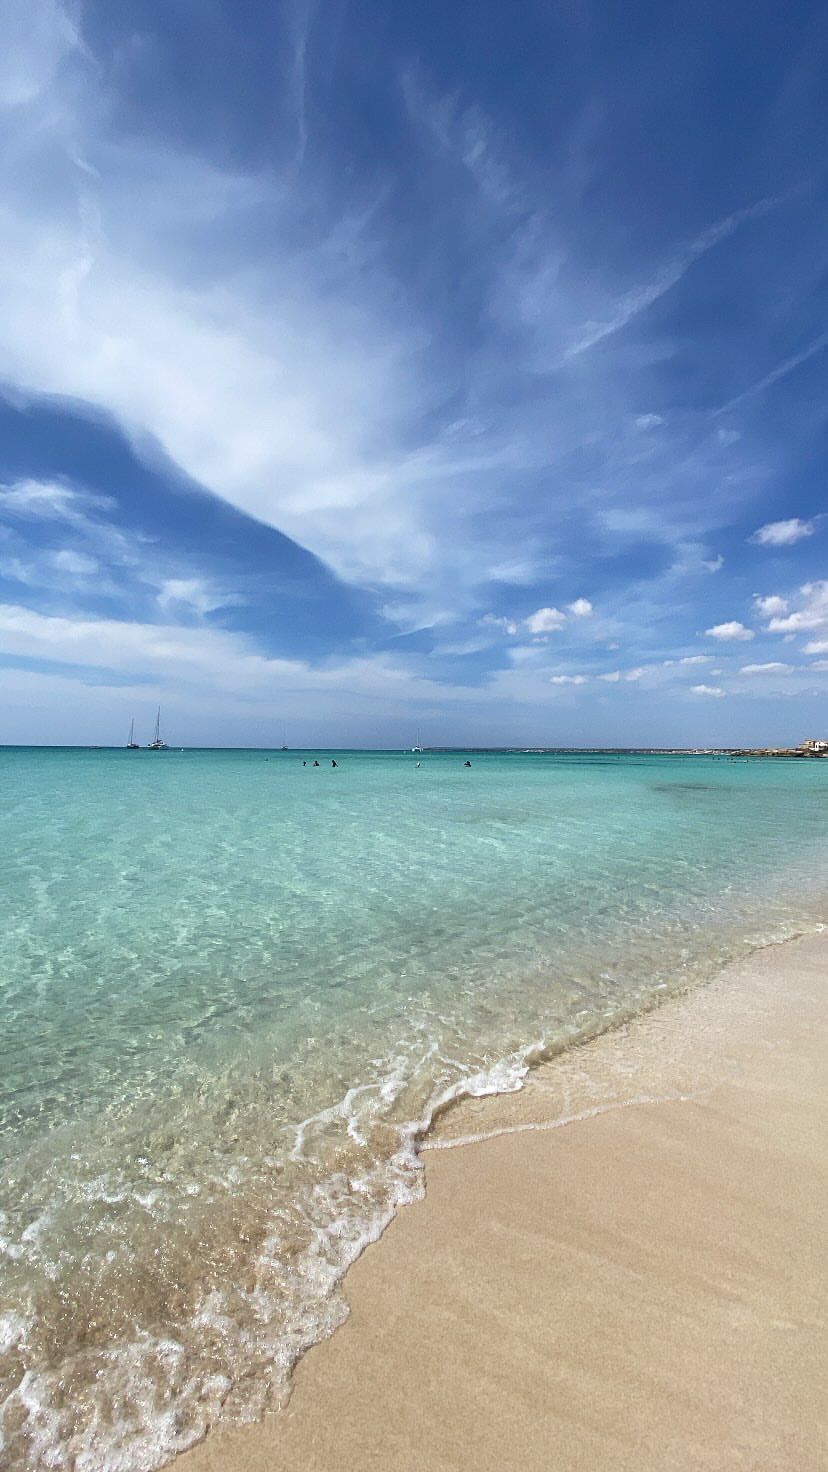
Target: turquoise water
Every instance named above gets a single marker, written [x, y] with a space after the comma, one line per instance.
[233, 990]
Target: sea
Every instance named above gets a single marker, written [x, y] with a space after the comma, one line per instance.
[237, 989]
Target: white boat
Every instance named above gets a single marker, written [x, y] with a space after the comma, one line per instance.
[132, 744]
[418, 748]
[157, 744]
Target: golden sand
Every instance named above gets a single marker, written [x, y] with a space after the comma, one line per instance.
[642, 1288]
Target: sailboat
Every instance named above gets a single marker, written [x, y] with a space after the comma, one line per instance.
[418, 747]
[157, 744]
[132, 744]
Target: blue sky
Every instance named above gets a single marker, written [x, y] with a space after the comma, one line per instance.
[369, 367]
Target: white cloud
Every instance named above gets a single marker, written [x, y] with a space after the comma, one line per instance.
[770, 605]
[493, 621]
[567, 679]
[38, 568]
[783, 533]
[773, 667]
[812, 615]
[78, 564]
[524, 653]
[15, 570]
[191, 671]
[817, 646]
[696, 659]
[728, 436]
[48, 500]
[820, 664]
[715, 690]
[413, 614]
[198, 662]
[692, 557]
[192, 593]
[731, 630]
[648, 421]
[519, 571]
[545, 621]
[280, 384]
[796, 623]
[118, 645]
[612, 677]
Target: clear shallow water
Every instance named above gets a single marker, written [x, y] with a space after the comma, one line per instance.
[233, 991]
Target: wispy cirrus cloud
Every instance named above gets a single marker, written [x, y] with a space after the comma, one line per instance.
[48, 500]
[193, 593]
[788, 365]
[638, 299]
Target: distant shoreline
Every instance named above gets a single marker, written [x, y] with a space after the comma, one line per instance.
[785, 752]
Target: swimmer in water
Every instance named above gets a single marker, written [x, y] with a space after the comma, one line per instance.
[333, 763]
[467, 764]
[315, 763]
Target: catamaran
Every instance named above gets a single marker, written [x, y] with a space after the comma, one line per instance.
[132, 744]
[418, 747]
[157, 744]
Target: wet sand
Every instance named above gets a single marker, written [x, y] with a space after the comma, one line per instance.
[629, 1273]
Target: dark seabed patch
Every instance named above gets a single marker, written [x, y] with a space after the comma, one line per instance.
[690, 787]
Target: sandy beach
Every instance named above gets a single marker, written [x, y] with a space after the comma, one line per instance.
[641, 1286]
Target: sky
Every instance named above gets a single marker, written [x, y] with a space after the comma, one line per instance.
[372, 369]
